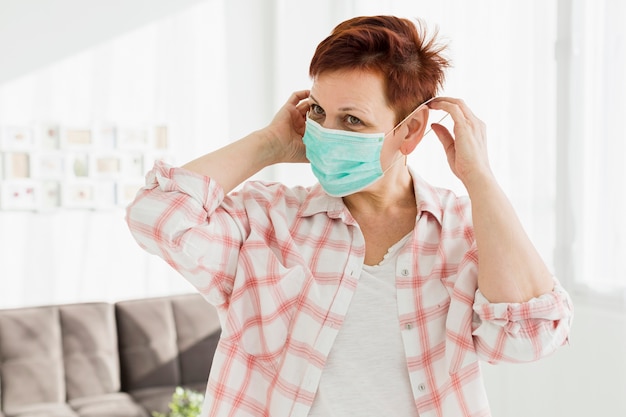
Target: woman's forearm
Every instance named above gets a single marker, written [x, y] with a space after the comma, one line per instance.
[510, 268]
[280, 141]
[236, 162]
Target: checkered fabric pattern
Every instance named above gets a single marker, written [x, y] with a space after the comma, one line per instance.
[281, 265]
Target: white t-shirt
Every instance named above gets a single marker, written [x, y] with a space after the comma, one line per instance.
[366, 372]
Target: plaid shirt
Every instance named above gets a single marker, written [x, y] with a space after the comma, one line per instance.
[281, 265]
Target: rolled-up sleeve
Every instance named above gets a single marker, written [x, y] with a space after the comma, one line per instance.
[178, 215]
[522, 332]
[502, 332]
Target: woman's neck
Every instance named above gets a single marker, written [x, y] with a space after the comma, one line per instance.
[393, 191]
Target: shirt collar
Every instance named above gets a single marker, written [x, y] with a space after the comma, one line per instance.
[427, 199]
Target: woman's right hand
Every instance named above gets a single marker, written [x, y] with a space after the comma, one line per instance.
[287, 128]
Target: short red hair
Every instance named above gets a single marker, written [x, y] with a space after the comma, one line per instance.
[411, 62]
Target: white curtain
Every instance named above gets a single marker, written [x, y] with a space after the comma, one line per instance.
[594, 182]
[213, 73]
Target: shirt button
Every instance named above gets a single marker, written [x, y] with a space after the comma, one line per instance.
[409, 326]
[405, 272]
[421, 387]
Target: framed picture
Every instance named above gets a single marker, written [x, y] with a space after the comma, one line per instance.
[133, 138]
[78, 194]
[161, 139]
[76, 138]
[106, 194]
[50, 136]
[126, 191]
[78, 164]
[19, 195]
[49, 165]
[106, 136]
[17, 165]
[88, 194]
[106, 166]
[50, 195]
[134, 166]
[18, 138]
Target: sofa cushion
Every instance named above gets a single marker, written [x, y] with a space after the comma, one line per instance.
[90, 349]
[109, 405]
[166, 341]
[147, 343]
[43, 410]
[198, 332]
[31, 361]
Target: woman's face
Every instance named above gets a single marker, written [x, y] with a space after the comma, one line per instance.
[355, 100]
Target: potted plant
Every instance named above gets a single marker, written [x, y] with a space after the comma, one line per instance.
[185, 403]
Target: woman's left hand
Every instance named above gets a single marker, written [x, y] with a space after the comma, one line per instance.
[466, 147]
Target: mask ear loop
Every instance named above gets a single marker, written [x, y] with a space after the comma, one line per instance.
[430, 129]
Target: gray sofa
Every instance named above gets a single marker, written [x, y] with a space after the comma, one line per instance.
[104, 360]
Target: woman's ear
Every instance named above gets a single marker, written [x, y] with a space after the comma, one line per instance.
[416, 125]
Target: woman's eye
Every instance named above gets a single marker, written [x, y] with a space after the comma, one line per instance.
[352, 120]
[317, 110]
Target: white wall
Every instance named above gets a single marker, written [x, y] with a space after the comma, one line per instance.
[34, 33]
[586, 378]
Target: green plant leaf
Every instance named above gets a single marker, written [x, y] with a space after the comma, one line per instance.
[185, 403]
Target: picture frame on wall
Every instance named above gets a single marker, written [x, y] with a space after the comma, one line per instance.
[127, 191]
[78, 194]
[105, 136]
[161, 138]
[88, 194]
[49, 165]
[50, 195]
[76, 138]
[133, 138]
[49, 136]
[17, 165]
[107, 165]
[79, 165]
[133, 165]
[18, 138]
[19, 194]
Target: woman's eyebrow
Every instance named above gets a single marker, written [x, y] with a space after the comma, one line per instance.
[345, 109]
[312, 97]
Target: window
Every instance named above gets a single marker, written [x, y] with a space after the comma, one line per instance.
[591, 199]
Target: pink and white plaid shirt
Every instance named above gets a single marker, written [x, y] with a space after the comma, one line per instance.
[281, 265]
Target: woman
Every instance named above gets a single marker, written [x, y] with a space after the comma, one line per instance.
[371, 293]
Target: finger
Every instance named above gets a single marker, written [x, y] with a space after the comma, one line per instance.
[444, 135]
[297, 96]
[303, 107]
[457, 108]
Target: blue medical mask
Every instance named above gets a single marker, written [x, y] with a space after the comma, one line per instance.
[345, 162]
